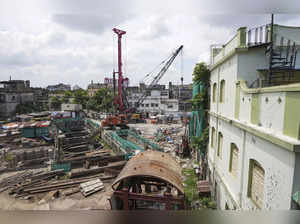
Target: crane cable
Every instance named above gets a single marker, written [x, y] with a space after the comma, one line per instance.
[147, 75]
[181, 67]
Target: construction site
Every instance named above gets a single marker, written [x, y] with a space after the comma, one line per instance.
[81, 159]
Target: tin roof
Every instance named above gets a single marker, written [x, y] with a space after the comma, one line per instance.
[153, 164]
[35, 124]
[11, 125]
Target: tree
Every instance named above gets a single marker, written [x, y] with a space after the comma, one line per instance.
[201, 73]
[92, 104]
[104, 100]
[67, 95]
[101, 101]
[55, 102]
[81, 97]
[27, 107]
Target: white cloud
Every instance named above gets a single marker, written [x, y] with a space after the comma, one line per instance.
[72, 42]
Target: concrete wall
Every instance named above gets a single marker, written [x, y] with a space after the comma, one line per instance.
[228, 72]
[248, 63]
[271, 110]
[12, 99]
[245, 107]
[277, 163]
[292, 33]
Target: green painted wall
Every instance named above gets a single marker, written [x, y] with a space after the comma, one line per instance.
[291, 115]
[255, 109]
[242, 36]
[28, 132]
[237, 101]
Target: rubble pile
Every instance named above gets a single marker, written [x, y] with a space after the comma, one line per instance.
[169, 138]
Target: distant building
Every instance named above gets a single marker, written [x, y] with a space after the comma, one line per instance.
[94, 87]
[159, 99]
[110, 82]
[58, 87]
[15, 92]
[76, 87]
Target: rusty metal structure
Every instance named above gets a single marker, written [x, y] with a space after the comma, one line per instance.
[151, 180]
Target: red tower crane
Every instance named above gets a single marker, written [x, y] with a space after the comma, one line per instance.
[120, 80]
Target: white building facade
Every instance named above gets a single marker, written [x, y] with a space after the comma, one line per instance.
[254, 148]
[157, 101]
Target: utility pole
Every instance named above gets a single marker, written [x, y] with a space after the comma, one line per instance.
[120, 81]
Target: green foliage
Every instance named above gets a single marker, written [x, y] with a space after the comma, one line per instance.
[190, 185]
[65, 177]
[201, 73]
[67, 96]
[55, 102]
[9, 157]
[199, 99]
[208, 203]
[202, 141]
[81, 97]
[27, 107]
[101, 101]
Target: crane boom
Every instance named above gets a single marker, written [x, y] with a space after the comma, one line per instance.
[159, 75]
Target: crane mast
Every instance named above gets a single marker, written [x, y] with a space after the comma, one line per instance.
[120, 77]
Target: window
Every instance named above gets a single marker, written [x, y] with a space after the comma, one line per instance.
[220, 143]
[152, 104]
[222, 91]
[234, 157]
[213, 132]
[170, 106]
[256, 183]
[147, 105]
[214, 92]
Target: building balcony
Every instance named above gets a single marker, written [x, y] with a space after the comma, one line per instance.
[274, 108]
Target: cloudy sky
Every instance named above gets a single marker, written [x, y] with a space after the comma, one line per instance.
[71, 41]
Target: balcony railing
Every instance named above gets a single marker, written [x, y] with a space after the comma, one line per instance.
[258, 35]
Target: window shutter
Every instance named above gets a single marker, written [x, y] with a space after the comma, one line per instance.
[257, 185]
[234, 160]
[220, 143]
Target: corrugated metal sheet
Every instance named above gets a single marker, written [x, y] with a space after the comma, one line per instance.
[91, 187]
[35, 129]
[58, 166]
[154, 164]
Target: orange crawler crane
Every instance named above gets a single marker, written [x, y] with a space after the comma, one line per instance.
[115, 120]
